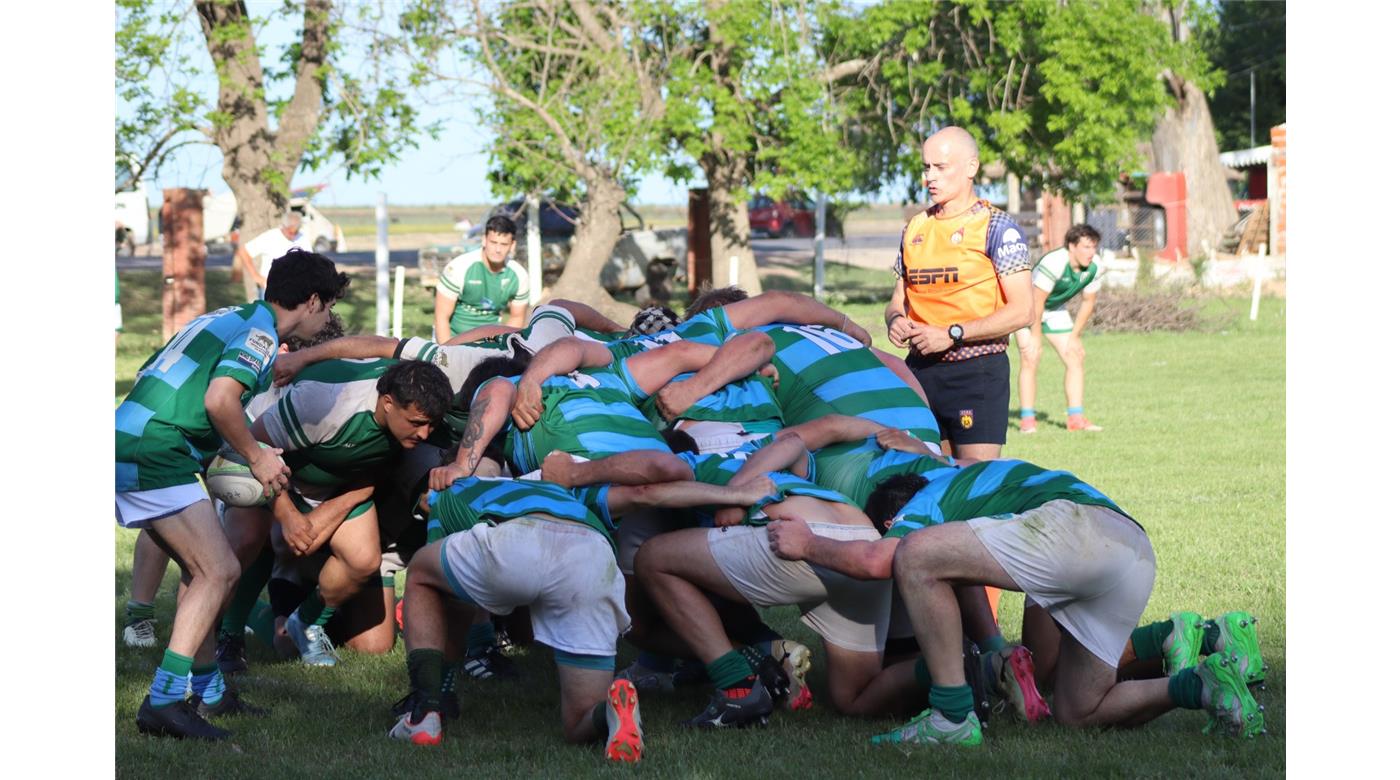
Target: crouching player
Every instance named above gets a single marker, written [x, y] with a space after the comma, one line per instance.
[1072, 551]
[502, 544]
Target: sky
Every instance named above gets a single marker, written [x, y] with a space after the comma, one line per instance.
[451, 169]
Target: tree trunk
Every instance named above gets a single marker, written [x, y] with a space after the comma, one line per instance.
[599, 228]
[1185, 141]
[729, 220]
[258, 162]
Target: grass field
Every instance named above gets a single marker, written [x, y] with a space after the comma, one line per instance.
[1193, 447]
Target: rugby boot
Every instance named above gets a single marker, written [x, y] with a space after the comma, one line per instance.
[770, 673]
[426, 730]
[1182, 647]
[796, 661]
[179, 720]
[490, 665]
[932, 727]
[1013, 676]
[978, 675]
[624, 723]
[231, 654]
[140, 633]
[230, 704]
[1239, 637]
[311, 641]
[1079, 422]
[735, 708]
[644, 678]
[1230, 706]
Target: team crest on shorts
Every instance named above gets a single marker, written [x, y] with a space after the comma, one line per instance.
[965, 418]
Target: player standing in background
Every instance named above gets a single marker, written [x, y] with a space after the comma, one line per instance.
[476, 286]
[186, 403]
[1058, 277]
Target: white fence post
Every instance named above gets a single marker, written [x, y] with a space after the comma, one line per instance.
[381, 266]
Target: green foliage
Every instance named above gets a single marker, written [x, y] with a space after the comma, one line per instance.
[166, 97]
[1061, 93]
[1237, 38]
[743, 82]
[154, 79]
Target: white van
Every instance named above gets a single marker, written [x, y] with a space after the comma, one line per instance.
[133, 208]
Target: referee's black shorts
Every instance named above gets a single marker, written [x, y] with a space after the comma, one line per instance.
[970, 398]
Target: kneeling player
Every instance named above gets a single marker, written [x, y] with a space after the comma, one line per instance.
[503, 544]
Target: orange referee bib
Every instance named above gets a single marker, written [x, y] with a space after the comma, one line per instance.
[948, 271]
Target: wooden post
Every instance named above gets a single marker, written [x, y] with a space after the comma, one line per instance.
[699, 266]
[182, 221]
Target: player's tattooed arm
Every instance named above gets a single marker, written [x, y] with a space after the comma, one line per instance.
[485, 419]
[793, 540]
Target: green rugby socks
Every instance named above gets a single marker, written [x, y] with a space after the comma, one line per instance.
[1185, 689]
[245, 596]
[170, 680]
[139, 610]
[313, 611]
[729, 670]
[425, 674]
[954, 702]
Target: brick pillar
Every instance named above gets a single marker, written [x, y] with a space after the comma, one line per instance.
[182, 227]
[699, 267]
[1278, 190]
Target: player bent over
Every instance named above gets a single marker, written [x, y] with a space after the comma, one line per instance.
[339, 423]
[187, 401]
[1071, 550]
[501, 544]
[735, 563]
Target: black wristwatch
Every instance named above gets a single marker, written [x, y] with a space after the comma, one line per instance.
[955, 332]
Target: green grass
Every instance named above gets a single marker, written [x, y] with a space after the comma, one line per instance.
[1193, 447]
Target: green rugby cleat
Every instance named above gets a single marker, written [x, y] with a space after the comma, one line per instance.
[1227, 699]
[1182, 647]
[1240, 638]
[932, 727]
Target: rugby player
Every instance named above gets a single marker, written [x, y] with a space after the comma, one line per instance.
[186, 403]
[1070, 549]
[338, 422]
[502, 543]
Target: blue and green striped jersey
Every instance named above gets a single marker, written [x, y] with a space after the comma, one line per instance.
[992, 488]
[473, 500]
[823, 371]
[855, 469]
[163, 433]
[719, 468]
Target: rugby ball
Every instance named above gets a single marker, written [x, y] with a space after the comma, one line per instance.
[231, 481]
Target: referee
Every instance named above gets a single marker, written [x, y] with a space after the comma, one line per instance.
[964, 285]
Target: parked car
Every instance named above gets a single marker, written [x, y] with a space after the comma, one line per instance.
[222, 222]
[645, 261]
[796, 216]
[133, 208]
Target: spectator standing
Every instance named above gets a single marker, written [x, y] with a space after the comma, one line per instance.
[256, 256]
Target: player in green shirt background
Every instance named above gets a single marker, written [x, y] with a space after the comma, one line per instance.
[1071, 270]
[477, 286]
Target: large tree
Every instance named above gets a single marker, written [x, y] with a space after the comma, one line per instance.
[1184, 139]
[343, 106]
[748, 103]
[1244, 39]
[1060, 93]
[574, 94]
